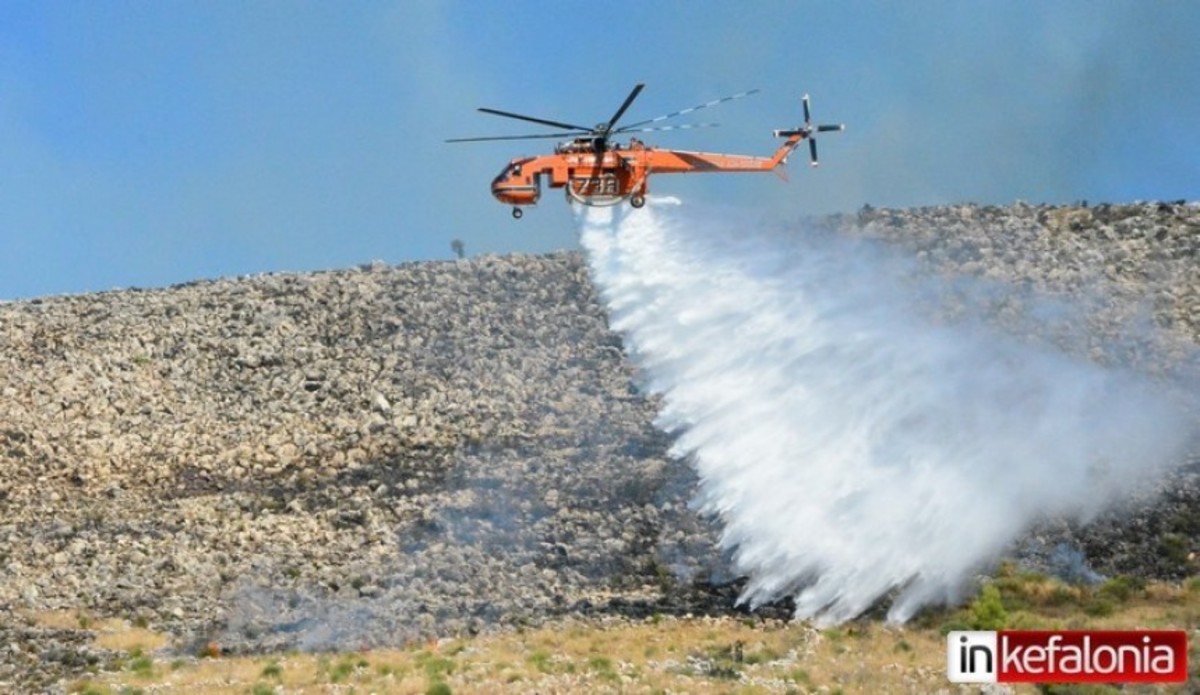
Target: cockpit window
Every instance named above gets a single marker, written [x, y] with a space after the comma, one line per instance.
[516, 170]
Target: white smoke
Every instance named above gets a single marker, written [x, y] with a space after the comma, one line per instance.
[850, 443]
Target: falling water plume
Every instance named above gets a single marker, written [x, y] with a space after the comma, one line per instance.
[851, 443]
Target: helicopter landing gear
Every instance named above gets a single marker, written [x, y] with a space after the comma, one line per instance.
[517, 213]
[637, 200]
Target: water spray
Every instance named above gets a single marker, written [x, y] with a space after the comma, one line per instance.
[851, 446]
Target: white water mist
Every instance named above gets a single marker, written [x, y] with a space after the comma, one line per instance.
[850, 444]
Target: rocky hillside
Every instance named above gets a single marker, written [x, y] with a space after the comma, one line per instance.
[369, 456]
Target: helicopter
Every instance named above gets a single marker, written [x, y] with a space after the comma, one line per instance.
[597, 170]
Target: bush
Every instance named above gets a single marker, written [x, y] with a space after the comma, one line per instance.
[603, 667]
[539, 659]
[1173, 547]
[272, 670]
[1100, 607]
[1121, 588]
[987, 610]
[1060, 596]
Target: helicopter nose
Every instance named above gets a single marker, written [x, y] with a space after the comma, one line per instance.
[514, 193]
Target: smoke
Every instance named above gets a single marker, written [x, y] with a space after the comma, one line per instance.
[852, 441]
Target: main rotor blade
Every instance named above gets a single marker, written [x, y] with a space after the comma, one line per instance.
[688, 110]
[621, 111]
[682, 126]
[523, 137]
[531, 119]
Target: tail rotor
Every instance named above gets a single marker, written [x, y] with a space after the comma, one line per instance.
[809, 132]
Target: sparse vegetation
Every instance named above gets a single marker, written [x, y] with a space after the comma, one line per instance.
[800, 676]
[1081, 689]
[1121, 588]
[343, 669]
[1173, 547]
[272, 670]
[540, 659]
[142, 665]
[668, 654]
[435, 667]
[1099, 607]
[603, 667]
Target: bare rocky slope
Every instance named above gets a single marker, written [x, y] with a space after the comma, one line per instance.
[364, 457]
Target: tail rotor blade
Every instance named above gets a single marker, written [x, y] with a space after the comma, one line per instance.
[807, 115]
[830, 128]
[812, 150]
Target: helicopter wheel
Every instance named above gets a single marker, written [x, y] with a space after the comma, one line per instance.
[637, 200]
[517, 213]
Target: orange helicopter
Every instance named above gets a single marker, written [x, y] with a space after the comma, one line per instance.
[596, 170]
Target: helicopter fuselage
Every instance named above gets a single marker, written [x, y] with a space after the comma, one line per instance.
[608, 177]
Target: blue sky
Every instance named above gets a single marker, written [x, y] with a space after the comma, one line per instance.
[150, 143]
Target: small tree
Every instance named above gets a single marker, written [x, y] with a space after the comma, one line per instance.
[459, 248]
[987, 611]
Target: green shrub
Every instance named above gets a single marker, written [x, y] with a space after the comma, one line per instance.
[1060, 596]
[142, 665]
[763, 656]
[800, 676]
[540, 660]
[1121, 588]
[1174, 547]
[341, 671]
[603, 666]
[272, 670]
[1100, 606]
[987, 610]
[437, 667]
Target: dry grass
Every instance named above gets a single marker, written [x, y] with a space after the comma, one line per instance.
[660, 655]
[112, 633]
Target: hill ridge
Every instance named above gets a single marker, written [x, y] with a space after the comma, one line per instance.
[383, 453]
